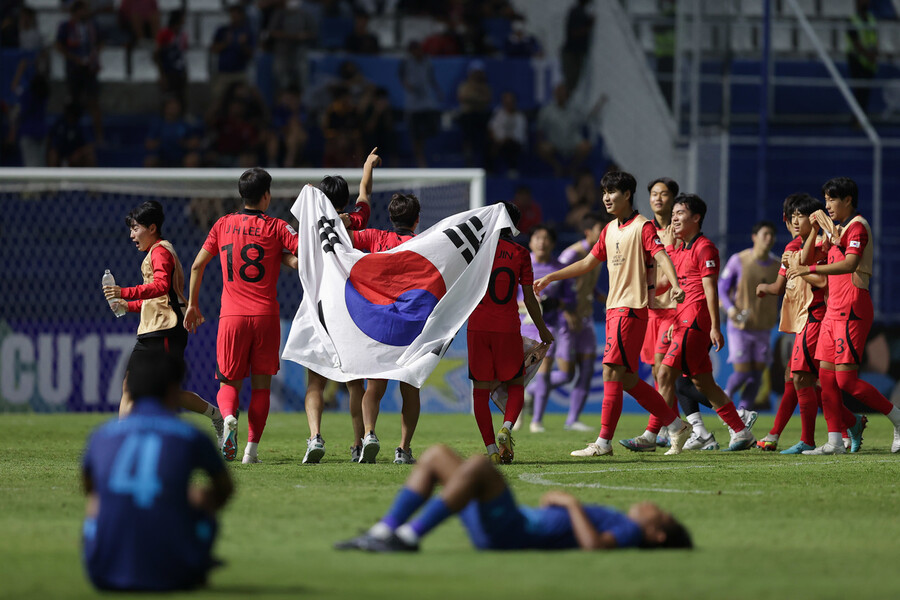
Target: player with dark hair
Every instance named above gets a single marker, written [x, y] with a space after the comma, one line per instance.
[476, 491]
[627, 245]
[557, 304]
[494, 340]
[849, 313]
[159, 300]
[254, 246]
[697, 318]
[579, 339]
[147, 527]
[336, 190]
[404, 211]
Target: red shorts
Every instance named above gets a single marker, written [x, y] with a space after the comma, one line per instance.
[656, 340]
[689, 348]
[842, 342]
[625, 329]
[803, 354]
[495, 355]
[246, 345]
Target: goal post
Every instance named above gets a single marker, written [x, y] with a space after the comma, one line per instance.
[61, 348]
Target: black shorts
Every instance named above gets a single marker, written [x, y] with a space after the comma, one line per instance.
[173, 344]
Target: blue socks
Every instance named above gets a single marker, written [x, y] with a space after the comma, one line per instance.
[406, 502]
[434, 513]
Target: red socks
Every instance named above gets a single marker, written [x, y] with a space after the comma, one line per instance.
[483, 414]
[514, 402]
[257, 414]
[809, 408]
[612, 408]
[831, 400]
[785, 409]
[653, 403]
[729, 414]
[227, 399]
[863, 391]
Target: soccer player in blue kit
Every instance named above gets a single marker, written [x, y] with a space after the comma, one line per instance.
[147, 527]
[476, 491]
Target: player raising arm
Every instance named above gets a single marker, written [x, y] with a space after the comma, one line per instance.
[254, 246]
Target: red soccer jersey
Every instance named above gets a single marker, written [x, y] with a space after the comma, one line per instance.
[359, 216]
[378, 240]
[499, 309]
[693, 261]
[163, 267]
[252, 244]
[843, 295]
[817, 305]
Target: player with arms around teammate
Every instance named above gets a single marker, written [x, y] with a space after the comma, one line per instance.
[476, 491]
[495, 342]
[627, 244]
[697, 318]
[146, 526]
[159, 300]
[850, 313]
[404, 211]
[338, 193]
[252, 247]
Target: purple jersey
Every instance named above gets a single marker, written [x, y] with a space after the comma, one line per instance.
[556, 297]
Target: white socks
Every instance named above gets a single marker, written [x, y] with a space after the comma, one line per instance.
[406, 533]
[231, 422]
[493, 449]
[212, 412]
[649, 436]
[696, 422]
[380, 531]
[603, 443]
[508, 425]
[894, 416]
[250, 450]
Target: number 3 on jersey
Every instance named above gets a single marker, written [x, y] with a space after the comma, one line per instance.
[254, 262]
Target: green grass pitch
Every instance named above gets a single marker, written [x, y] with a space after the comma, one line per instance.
[765, 525]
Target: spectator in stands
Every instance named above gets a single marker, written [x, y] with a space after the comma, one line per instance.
[77, 41]
[238, 123]
[579, 27]
[532, 214]
[474, 95]
[520, 43]
[583, 198]
[234, 45]
[140, 18]
[376, 7]
[361, 40]
[445, 42]
[28, 124]
[422, 99]
[171, 45]
[561, 138]
[341, 128]
[287, 142]
[69, 144]
[29, 35]
[508, 129]
[353, 80]
[172, 141]
[292, 30]
[378, 124]
[862, 51]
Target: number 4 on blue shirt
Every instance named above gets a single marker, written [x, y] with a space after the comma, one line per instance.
[134, 471]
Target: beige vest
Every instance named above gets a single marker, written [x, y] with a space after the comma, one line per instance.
[798, 296]
[628, 276]
[157, 314]
[864, 271]
[762, 312]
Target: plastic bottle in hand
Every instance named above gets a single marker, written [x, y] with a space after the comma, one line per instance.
[114, 304]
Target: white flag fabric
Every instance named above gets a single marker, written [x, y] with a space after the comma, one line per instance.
[386, 315]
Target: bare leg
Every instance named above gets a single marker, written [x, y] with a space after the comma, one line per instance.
[315, 403]
[463, 481]
[357, 392]
[709, 388]
[126, 403]
[409, 414]
[192, 402]
[371, 402]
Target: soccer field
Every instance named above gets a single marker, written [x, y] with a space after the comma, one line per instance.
[764, 525]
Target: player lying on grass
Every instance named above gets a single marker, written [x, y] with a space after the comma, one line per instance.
[475, 490]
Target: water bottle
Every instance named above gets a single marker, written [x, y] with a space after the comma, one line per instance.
[108, 279]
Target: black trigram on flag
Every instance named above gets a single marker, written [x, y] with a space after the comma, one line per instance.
[466, 236]
[327, 235]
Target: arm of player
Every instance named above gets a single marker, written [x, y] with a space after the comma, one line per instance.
[586, 534]
[816, 280]
[728, 283]
[776, 288]
[163, 266]
[365, 184]
[192, 316]
[848, 265]
[664, 264]
[210, 498]
[534, 311]
[576, 269]
[289, 260]
[712, 304]
[808, 252]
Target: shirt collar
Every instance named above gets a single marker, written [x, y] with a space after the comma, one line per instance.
[689, 245]
[251, 211]
[404, 231]
[628, 220]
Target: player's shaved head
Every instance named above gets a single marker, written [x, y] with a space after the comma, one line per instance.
[253, 185]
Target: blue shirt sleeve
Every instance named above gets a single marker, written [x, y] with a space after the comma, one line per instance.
[207, 457]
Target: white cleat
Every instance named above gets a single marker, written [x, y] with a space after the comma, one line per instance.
[250, 460]
[578, 426]
[370, 448]
[895, 447]
[742, 440]
[593, 450]
[680, 439]
[535, 427]
[825, 449]
[315, 450]
[702, 443]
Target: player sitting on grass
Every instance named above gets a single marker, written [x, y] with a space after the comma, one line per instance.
[475, 490]
[495, 342]
[159, 300]
[147, 526]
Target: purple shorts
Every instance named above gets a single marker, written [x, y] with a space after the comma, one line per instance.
[554, 351]
[748, 346]
[572, 343]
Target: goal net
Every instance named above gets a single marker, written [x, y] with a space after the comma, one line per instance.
[61, 348]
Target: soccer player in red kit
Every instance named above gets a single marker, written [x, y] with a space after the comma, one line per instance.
[495, 342]
[627, 245]
[404, 210]
[253, 246]
[850, 313]
[697, 318]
